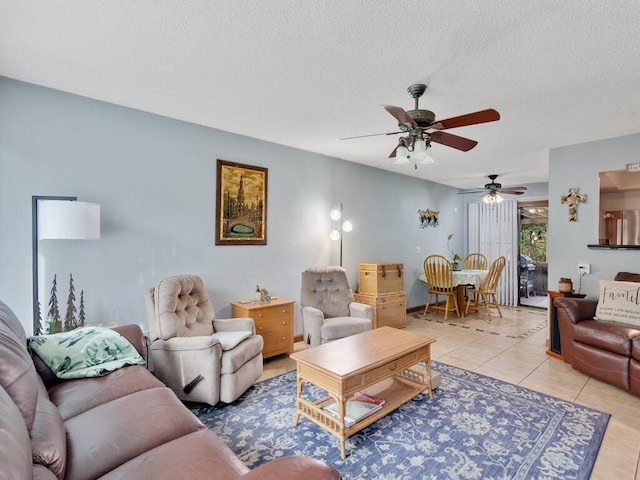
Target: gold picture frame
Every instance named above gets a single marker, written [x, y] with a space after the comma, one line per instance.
[241, 204]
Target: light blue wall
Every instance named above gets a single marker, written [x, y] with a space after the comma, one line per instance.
[578, 166]
[154, 178]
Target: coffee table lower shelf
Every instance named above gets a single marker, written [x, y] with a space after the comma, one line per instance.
[396, 391]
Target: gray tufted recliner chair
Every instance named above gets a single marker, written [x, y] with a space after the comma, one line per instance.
[328, 309]
[202, 359]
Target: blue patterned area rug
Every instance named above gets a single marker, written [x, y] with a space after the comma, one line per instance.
[476, 427]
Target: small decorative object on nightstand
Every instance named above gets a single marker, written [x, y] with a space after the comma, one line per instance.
[274, 322]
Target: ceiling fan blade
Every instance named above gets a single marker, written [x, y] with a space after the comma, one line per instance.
[480, 190]
[370, 135]
[512, 191]
[400, 115]
[483, 116]
[454, 141]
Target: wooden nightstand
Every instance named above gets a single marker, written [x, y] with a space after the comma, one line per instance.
[553, 343]
[274, 321]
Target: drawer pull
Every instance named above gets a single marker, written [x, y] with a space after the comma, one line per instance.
[260, 315]
[284, 323]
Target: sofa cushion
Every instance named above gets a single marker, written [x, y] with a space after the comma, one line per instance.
[109, 435]
[48, 438]
[74, 397]
[15, 446]
[608, 336]
[85, 352]
[619, 302]
[635, 348]
[627, 277]
[17, 373]
[339, 327]
[606, 366]
[175, 460]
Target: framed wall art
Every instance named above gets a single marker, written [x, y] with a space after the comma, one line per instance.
[241, 204]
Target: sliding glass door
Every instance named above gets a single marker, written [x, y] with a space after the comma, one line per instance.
[532, 264]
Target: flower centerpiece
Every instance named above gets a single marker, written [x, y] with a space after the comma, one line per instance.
[455, 258]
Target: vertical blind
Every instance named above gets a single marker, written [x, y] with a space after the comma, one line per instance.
[493, 231]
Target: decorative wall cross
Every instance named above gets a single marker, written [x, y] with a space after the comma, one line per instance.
[572, 200]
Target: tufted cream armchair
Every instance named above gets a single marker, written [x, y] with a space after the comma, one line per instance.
[202, 359]
[328, 309]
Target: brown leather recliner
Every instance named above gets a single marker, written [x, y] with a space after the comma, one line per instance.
[608, 351]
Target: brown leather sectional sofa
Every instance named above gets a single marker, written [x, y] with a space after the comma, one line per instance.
[607, 351]
[124, 425]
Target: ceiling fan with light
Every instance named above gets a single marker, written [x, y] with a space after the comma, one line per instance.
[493, 190]
[422, 128]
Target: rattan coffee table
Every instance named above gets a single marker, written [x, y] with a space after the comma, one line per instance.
[382, 362]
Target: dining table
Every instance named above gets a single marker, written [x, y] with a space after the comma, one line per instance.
[461, 279]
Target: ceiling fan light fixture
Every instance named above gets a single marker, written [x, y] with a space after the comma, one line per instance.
[492, 198]
[402, 155]
[428, 157]
[419, 150]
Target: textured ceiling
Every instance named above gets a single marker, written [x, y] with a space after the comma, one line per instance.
[307, 73]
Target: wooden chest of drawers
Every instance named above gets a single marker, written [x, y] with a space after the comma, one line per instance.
[388, 310]
[274, 322]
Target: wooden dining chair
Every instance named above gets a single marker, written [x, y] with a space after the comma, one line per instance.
[487, 291]
[439, 275]
[475, 261]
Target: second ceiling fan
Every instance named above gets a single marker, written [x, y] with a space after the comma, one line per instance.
[422, 128]
[493, 189]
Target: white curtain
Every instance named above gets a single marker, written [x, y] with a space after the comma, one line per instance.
[493, 231]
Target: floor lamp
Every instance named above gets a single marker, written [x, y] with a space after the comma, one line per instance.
[59, 218]
[337, 233]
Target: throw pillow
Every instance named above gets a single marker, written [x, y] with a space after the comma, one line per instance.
[85, 352]
[619, 302]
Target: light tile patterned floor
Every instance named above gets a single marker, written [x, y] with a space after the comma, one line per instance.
[513, 349]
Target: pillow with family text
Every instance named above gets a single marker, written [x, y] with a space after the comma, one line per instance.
[619, 302]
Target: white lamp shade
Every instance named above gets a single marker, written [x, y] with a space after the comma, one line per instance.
[335, 234]
[347, 226]
[428, 157]
[68, 220]
[419, 150]
[402, 155]
[335, 214]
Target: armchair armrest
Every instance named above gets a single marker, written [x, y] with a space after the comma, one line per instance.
[187, 343]
[575, 309]
[293, 468]
[361, 310]
[234, 325]
[312, 319]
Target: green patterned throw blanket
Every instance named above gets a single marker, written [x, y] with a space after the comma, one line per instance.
[85, 352]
